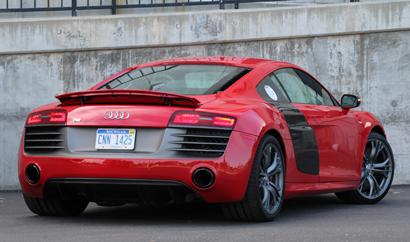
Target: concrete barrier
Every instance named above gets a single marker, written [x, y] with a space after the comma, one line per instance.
[358, 48]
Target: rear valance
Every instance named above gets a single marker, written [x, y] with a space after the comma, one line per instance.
[127, 97]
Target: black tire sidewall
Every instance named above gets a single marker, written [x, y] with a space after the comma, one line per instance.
[354, 196]
[253, 191]
[379, 137]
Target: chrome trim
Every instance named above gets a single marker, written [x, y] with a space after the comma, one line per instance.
[116, 115]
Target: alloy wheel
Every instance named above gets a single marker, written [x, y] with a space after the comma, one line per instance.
[376, 170]
[271, 183]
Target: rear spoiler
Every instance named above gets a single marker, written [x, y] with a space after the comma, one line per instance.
[127, 97]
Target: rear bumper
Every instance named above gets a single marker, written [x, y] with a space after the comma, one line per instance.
[231, 170]
[109, 191]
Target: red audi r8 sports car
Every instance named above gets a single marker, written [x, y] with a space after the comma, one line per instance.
[244, 132]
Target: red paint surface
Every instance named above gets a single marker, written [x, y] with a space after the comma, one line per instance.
[341, 138]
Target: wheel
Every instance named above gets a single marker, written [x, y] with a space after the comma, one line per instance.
[55, 206]
[377, 173]
[264, 195]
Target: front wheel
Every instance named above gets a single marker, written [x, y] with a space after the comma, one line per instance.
[264, 195]
[377, 173]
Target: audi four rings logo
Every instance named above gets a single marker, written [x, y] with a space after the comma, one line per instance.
[116, 115]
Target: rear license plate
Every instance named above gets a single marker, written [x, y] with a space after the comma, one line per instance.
[115, 139]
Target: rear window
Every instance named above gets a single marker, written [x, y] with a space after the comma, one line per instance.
[180, 79]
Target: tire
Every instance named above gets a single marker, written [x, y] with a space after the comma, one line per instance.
[377, 173]
[55, 206]
[264, 195]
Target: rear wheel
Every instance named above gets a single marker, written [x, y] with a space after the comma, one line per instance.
[377, 173]
[264, 195]
[55, 206]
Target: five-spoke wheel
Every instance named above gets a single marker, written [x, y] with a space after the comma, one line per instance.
[377, 172]
[271, 179]
[264, 195]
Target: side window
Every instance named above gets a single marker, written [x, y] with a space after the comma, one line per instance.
[323, 96]
[296, 89]
[270, 92]
[279, 87]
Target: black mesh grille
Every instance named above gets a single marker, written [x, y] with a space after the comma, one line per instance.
[203, 142]
[43, 139]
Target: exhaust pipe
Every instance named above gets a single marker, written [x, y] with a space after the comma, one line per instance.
[32, 174]
[203, 177]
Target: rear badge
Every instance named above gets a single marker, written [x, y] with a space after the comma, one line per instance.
[271, 93]
[75, 120]
[116, 115]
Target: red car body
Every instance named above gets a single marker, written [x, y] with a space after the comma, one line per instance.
[341, 136]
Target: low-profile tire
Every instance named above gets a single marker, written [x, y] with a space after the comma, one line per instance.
[377, 173]
[264, 194]
[55, 206]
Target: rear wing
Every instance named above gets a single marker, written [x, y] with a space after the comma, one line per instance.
[127, 97]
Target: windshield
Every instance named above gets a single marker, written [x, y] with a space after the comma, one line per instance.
[180, 79]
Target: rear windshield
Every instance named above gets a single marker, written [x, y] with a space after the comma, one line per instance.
[180, 79]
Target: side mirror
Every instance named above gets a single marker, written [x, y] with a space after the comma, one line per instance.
[350, 101]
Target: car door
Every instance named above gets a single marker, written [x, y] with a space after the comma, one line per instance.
[336, 130]
[305, 150]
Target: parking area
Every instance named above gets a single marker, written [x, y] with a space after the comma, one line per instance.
[316, 218]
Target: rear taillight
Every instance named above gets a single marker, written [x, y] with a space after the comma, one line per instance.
[200, 119]
[186, 118]
[223, 121]
[47, 117]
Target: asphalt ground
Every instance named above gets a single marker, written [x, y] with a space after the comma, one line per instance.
[316, 218]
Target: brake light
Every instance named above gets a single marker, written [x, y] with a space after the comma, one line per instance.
[34, 119]
[57, 117]
[186, 118]
[200, 119]
[47, 117]
[224, 121]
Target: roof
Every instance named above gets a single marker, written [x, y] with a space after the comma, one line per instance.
[211, 60]
[266, 65]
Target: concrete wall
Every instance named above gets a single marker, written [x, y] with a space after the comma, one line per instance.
[67, 3]
[358, 48]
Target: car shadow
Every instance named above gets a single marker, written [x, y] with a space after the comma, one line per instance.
[200, 213]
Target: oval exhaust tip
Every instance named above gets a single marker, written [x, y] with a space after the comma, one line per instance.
[32, 174]
[203, 177]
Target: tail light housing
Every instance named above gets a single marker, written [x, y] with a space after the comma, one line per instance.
[189, 119]
[56, 117]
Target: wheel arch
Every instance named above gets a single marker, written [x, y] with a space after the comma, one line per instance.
[250, 207]
[379, 130]
[277, 135]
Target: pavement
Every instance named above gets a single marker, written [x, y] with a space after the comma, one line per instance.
[315, 218]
